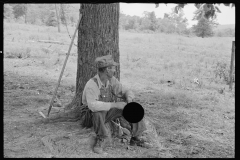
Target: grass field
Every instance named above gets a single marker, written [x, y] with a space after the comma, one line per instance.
[193, 119]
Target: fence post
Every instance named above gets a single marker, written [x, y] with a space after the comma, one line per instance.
[231, 65]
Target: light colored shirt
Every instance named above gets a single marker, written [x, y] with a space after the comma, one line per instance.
[91, 94]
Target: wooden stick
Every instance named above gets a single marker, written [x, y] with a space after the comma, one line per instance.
[65, 62]
[42, 114]
[55, 42]
[48, 41]
[122, 129]
[231, 65]
[59, 30]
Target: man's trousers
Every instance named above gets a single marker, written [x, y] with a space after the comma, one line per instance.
[100, 118]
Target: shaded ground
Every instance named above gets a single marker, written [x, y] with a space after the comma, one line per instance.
[187, 124]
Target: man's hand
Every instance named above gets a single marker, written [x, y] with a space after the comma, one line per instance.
[129, 99]
[120, 105]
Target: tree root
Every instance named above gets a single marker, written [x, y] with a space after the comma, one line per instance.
[76, 102]
[71, 113]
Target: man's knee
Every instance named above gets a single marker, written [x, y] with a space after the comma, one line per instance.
[98, 114]
[115, 111]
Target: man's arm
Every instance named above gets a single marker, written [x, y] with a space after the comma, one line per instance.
[94, 105]
[121, 91]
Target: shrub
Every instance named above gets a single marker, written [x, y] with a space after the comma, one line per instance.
[18, 53]
[52, 20]
[8, 11]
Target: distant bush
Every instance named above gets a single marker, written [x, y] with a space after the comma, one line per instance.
[8, 11]
[187, 32]
[19, 10]
[228, 32]
[204, 28]
[52, 20]
[20, 20]
[219, 34]
[173, 23]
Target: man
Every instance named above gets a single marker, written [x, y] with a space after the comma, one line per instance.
[99, 94]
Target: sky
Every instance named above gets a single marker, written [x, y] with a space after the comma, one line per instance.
[227, 15]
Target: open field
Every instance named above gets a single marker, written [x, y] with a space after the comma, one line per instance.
[193, 119]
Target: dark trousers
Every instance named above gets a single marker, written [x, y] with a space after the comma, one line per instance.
[102, 117]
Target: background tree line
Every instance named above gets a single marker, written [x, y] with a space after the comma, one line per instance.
[42, 14]
[171, 23]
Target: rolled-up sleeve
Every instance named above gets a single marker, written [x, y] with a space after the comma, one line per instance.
[91, 95]
[120, 91]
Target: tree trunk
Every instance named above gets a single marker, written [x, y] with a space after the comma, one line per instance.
[26, 10]
[25, 18]
[59, 30]
[98, 35]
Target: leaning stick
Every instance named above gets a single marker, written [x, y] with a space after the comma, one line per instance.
[65, 62]
[40, 112]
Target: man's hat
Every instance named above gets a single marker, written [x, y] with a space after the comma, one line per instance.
[105, 61]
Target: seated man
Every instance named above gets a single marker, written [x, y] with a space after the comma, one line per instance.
[99, 94]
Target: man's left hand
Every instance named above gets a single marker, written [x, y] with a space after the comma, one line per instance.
[129, 99]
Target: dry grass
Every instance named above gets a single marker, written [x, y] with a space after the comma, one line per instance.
[194, 120]
[172, 57]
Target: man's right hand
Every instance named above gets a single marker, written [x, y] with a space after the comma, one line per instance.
[120, 105]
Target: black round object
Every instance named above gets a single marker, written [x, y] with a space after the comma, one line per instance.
[133, 112]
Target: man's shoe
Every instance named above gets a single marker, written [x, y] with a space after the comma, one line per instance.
[139, 142]
[99, 145]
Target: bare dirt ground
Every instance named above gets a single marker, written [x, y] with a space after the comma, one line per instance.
[186, 125]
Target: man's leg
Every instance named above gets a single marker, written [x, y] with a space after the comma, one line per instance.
[137, 128]
[113, 114]
[99, 120]
[99, 123]
[100, 129]
[102, 117]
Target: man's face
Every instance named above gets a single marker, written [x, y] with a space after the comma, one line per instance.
[110, 71]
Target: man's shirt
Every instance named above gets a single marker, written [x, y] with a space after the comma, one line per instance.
[91, 94]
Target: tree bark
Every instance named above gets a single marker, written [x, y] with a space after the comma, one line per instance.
[98, 35]
[59, 30]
